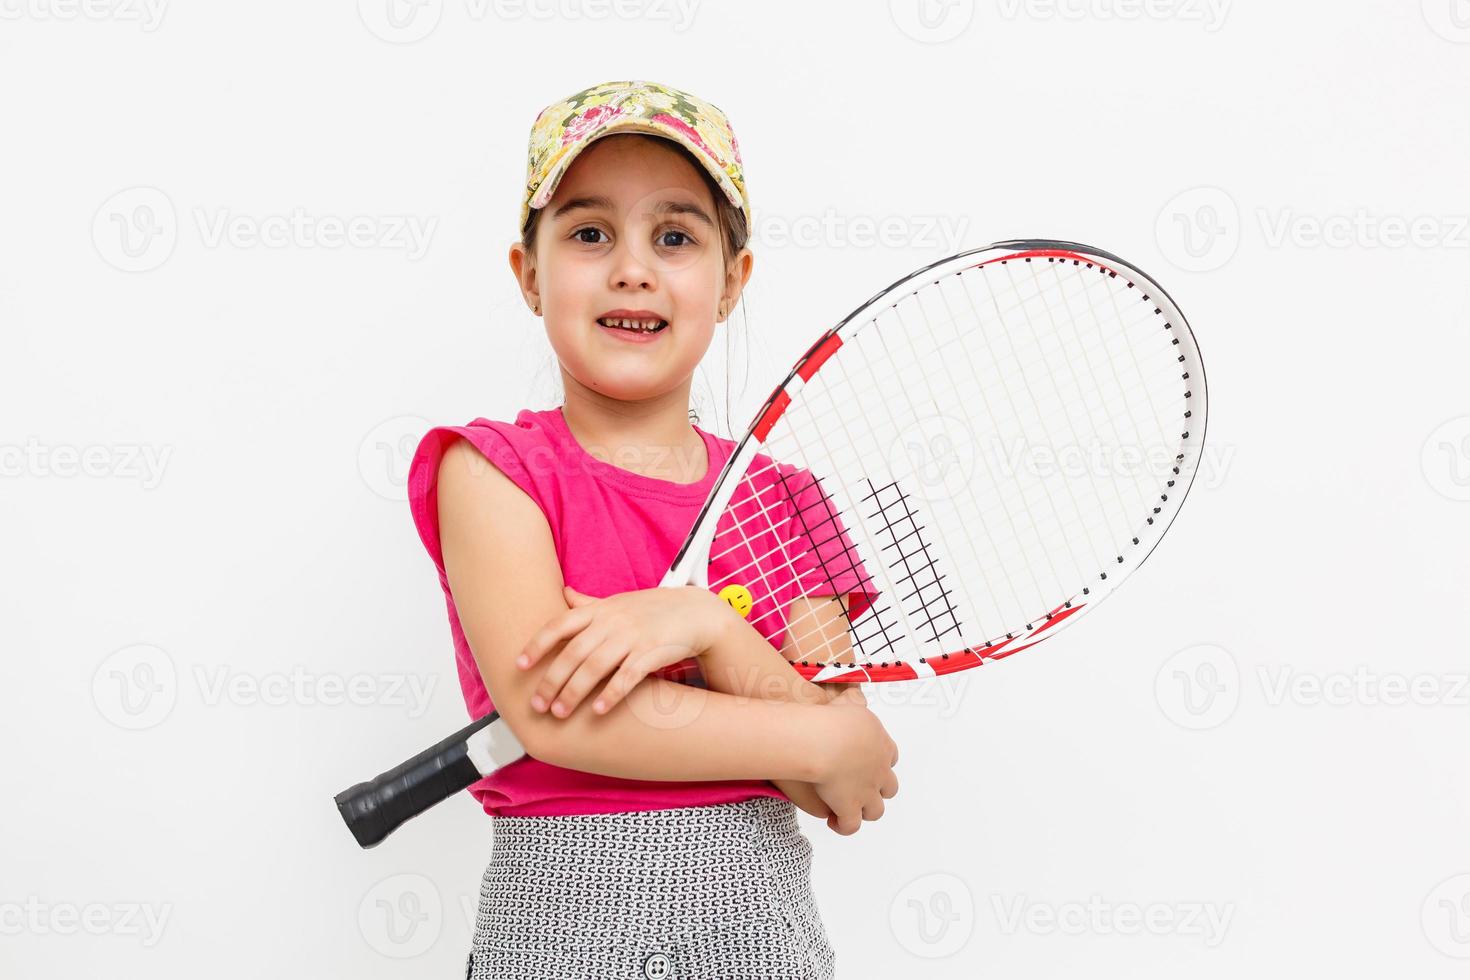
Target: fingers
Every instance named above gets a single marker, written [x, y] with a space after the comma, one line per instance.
[557, 630]
[560, 669]
[594, 669]
[627, 678]
[846, 821]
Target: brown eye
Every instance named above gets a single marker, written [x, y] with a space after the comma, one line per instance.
[681, 238]
[581, 233]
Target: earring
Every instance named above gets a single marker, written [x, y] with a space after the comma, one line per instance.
[536, 309]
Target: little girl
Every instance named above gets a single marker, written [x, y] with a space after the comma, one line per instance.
[650, 831]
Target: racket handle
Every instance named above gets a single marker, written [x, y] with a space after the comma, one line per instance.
[376, 808]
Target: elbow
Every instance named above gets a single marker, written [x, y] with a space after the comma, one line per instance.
[536, 732]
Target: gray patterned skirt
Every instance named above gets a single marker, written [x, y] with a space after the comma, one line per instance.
[691, 893]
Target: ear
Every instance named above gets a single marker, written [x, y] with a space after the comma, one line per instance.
[737, 274]
[523, 265]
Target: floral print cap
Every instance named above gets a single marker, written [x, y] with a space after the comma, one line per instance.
[564, 129]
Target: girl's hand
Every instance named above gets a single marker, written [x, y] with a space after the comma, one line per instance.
[629, 636]
[856, 762]
[805, 796]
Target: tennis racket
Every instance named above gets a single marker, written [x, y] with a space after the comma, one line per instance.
[979, 455]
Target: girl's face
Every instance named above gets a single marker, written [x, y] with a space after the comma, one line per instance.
[630, 234]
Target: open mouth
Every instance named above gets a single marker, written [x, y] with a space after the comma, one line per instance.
[635, 326]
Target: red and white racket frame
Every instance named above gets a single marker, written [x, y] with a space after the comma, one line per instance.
[691, 565]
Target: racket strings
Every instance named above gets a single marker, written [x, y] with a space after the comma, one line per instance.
[1011, 269]
[819, 425]
[1047, 354]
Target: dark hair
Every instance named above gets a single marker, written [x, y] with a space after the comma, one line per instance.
[734, 229]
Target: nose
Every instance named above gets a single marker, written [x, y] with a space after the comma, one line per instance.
[631, 269]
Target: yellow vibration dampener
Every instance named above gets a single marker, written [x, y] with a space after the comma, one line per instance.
[738, 596]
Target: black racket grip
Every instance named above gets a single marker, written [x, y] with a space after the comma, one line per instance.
[376, 808]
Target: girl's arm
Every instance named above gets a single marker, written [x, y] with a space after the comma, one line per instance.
[503, 573]
[742, 662]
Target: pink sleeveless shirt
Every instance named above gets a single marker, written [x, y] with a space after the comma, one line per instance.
[617, 531]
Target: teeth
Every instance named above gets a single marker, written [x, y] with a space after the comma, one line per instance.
[646, 326]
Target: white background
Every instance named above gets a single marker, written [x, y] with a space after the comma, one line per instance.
[1251, 761]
